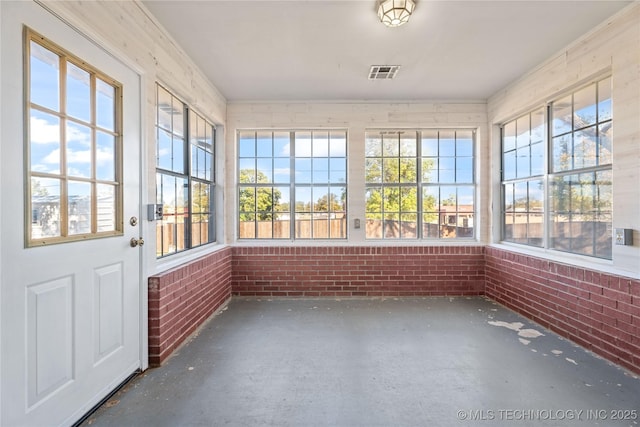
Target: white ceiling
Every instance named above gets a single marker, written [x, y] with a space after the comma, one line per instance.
[321, 50]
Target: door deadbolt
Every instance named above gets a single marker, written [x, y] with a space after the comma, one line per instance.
[133, 221]
[135, 242]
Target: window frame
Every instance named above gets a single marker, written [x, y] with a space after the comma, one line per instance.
[422, 185]
[184, 172]
[551, 174]
[527, 179]
[292, 185]
[65, 118]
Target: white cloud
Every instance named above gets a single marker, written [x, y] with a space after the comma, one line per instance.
[104, 157]
[43, 168]
[43, 132]
[282, 171]
[76, 172]
[76, 134]
[303, 147]
[286, 151]
[53, 157]
[74, 156]
[46, 132]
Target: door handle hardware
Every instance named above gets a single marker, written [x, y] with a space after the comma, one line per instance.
[135, 242]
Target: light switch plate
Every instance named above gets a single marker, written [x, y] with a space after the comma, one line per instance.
[623, 236]
[154, 212]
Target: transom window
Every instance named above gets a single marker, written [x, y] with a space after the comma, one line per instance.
[576, 179]
[292, 184]
[185, 176]
[74, 145]
[419, 184]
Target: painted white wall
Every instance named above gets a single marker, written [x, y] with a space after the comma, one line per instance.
[611, 48]
[356, 118]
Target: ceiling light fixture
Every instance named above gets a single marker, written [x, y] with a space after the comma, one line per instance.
[394, 13]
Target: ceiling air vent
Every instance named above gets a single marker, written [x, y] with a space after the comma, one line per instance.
[383, 72]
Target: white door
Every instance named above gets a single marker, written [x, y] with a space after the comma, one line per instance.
[70, 312]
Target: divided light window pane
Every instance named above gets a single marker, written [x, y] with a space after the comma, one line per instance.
[44, 71]
[413, 182]
[521, 162]
[292, 184]
[105, 105]
[579, 176]
[73, 147]
[78, 93]
[185, 176]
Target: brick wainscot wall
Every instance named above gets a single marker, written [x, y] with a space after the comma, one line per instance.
[358, 271]
[599, 311]
[181, 299]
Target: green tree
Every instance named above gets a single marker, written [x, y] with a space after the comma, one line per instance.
[392, 163]
[328, 203]
[396, 199]
[200, 201]
[258, 202]
[582, 192]
[561, 188]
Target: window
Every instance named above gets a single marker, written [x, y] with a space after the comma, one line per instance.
[185, 176]
[73, 147]
[577, 175]
[419, 184]
[292, 184]
[523, 171]
[580, 192]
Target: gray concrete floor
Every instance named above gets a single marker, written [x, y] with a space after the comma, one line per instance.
[376, 362]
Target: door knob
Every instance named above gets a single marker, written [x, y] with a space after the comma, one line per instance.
[135, 242]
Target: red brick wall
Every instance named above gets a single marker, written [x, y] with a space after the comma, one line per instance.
[596, 310]
[358, 271]
[181, 299]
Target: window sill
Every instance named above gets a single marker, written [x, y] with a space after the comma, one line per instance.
[176, 260]
[591, 263]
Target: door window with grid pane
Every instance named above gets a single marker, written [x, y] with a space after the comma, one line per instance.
[419, 184]
[185, 176]
[74, 137]
[292, 184]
